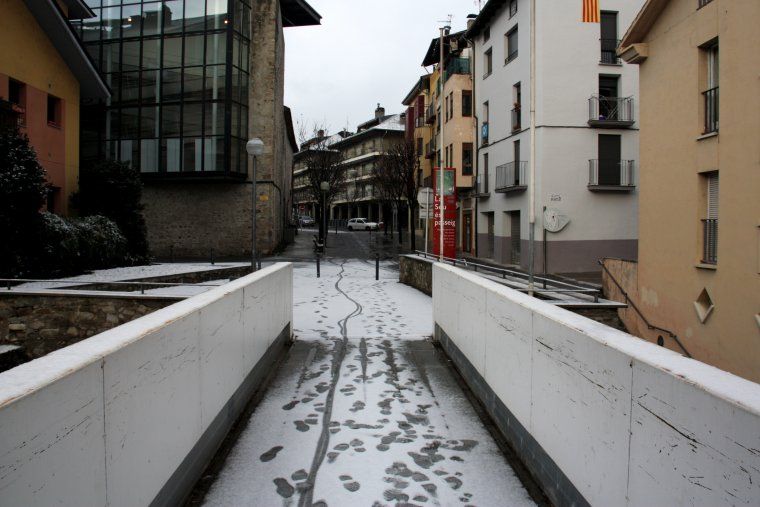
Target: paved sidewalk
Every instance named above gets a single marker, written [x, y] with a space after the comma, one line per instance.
[364, 411]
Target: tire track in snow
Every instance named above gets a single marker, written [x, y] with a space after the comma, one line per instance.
[339, 355]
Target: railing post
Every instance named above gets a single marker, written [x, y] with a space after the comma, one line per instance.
[377, 266]
[318, 274]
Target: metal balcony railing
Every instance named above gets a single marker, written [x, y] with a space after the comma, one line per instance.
[457, 66]
[430, 114]
[609, 51]
[516, 118]
[481, 185]
[419, 122]
[430, 148]
[608, 174]
[710, 241]
[511, 177]
[612, 112]
[712, 108]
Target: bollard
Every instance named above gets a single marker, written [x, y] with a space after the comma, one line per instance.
[377, 266]
[212, 256]
[142, 289]
[171, 253]
[317, 266]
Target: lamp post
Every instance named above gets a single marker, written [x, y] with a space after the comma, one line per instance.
[324, 187]
[254, 147]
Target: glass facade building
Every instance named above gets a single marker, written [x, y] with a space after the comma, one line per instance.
[179, 75]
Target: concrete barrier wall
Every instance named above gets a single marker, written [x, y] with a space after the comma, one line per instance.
[600, 417]
[131, 416]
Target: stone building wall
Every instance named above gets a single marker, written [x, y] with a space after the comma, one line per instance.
[189, 219]
[41, 324]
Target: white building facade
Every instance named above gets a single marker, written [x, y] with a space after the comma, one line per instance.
[586, 164]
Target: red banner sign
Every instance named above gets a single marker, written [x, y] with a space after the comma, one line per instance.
[449, 213]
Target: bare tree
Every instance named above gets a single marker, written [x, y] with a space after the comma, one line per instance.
[396, 178]
[323, 164]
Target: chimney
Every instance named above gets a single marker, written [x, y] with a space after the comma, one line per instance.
[321, 133]
[471, 20]
[379, 112]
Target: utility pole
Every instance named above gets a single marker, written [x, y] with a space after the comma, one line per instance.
[441, 201]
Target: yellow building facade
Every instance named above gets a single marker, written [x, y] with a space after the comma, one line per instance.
[42, 70]
[698, 274]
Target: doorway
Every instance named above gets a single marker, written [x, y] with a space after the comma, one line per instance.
[515, 240]
[467, 231]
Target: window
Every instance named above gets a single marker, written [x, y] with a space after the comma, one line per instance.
[467, 159]
[512, 8]
[485, 127]
[54, 112]
[419, 146]
[711, 102]
[488, 63]
[466, 103]
[484, 171]
[16, 92]
[702, 3]
[451, 105]
[517, 107]
[511, 45]
[710, 222]
[608, 38]
[179, 71]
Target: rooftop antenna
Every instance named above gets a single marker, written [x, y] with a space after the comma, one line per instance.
[479, 3]
[447, 22]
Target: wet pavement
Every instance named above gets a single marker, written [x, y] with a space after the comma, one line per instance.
[364, 410]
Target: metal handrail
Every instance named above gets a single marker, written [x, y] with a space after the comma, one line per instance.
[632, 304]
[73, 283]
[504, 272]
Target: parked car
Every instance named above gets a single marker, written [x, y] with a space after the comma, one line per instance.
[362, 224]
[306, 221]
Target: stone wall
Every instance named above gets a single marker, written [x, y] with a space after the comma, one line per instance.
[44, 323]
[416, 272]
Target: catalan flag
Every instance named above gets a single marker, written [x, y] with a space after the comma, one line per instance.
[591, 11]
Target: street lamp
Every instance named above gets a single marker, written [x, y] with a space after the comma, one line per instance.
[324, 187]
[254, 147]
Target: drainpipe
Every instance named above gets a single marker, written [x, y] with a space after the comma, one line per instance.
[532, 183]
[477, 139]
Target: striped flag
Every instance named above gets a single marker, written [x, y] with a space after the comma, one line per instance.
[591, 11]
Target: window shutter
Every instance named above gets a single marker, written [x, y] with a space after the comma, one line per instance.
[712, 197]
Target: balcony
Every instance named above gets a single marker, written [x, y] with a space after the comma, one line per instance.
[609, 51]
[484, 133]
[430, 114]
[481, 186]
[710, 241]
[611, 175]
[610, 112]
[457, 66]
[711, 110]
[510, 177]
[430, 149]
[516, 118]
[419, 122]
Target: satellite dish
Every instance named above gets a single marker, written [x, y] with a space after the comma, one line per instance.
[555, 220]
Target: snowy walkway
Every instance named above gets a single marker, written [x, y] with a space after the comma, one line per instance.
[364, 411]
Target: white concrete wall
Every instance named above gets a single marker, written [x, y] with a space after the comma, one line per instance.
[108, 420]
[628, 422]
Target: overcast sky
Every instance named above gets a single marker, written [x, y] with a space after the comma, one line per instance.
[364, 52]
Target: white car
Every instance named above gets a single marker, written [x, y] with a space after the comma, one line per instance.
[362, 224]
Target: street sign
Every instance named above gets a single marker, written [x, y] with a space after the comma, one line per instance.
[425, 199]
[449, 212]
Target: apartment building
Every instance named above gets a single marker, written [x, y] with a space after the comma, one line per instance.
[586, 135]
[360, 152]
[441, 112]
[698, 271]
[192, 81]
[40, 90]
